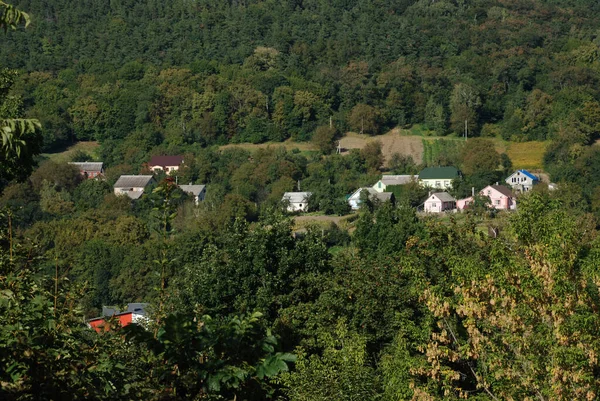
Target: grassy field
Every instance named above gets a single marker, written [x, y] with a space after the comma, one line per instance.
[90, 148]
[527, 155]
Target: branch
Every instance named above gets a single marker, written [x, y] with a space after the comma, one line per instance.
[469, 363]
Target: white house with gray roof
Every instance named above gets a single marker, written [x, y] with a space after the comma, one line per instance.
[355, 201]
[296, 201]
[197, 191]
[387, 180]
[439, 202]
[132, 185]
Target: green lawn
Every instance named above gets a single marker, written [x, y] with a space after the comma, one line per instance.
[90, 148]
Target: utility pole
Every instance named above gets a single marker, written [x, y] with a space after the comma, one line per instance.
[466, 130]
[330, 122]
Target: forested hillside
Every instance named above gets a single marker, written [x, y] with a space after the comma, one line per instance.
[247, 301]
[170, 74]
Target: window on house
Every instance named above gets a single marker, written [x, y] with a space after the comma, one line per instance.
[433, 205]
[489, 193]
[379, 184]
[497, 201]
[446, 183]
[301, 205]
[437, 184]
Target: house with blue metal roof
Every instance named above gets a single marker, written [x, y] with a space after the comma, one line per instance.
[522, 181]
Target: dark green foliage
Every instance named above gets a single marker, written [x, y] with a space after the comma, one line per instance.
[90, 194]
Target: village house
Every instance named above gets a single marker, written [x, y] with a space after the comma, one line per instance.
[522, 181]
[132, 185]
[501, 197]
[355, 201]
[167, 164]
[296, 201]
[387, 180]
[135, 314]
[438, 177]
[439, 202]
[197, 191]
[90, 169]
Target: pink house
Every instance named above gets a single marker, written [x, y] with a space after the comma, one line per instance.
[501, 198]
[465, 203]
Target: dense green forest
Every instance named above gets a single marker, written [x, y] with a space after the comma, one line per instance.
[162, 76]
[387, 304]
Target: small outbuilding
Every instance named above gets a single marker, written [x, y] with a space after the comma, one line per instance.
[197, 191]
[90, 169]
[296, 201]
[439, 202]
[133, 185]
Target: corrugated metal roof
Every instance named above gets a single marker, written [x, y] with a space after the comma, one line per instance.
[296, 197]
[88, 166]
[133, 181]
[397, 179]
[438, 173]
[382, 196]
[192, 189]
[444, 196]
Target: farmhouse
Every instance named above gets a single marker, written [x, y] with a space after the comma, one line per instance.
[90, 169]
[438, 177]
[501, 198]
[522, 181]
[439, 202]
[355, 201]
[132, 185]
[197, 191]
[296, 201]
[387, 180]
[165, 163]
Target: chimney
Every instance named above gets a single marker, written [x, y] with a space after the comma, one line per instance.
[298, 185]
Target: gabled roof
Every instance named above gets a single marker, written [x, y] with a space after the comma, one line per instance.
[373, 194]
[438, 173]
[528, 174]
[356, 194]
[397, 179]
[296, 197]
[133, 181]
[89, 166]
[193, 189]
[164, 161]
[382, 196]
[443, 196]
[500, 188]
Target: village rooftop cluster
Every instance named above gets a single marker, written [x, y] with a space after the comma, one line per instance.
[437, 179]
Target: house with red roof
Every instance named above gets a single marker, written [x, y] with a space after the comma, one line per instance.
[167, 164]
[135, 313]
